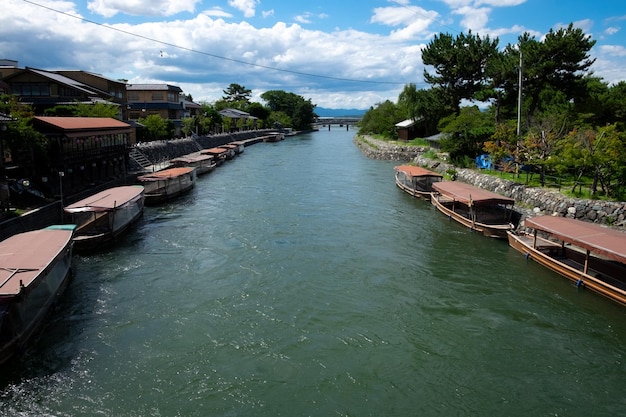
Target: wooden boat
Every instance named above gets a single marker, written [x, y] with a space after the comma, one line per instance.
[416, 181]
[233, 149]
[166, 184]
[220, 154]
[35, 268]
[203, 163]
[483, 211]
[241, 145]
[102, 217]
[588, 254]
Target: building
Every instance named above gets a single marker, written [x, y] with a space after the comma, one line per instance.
[84, 151]
[46, 89]
[406, 130]
[163, 99]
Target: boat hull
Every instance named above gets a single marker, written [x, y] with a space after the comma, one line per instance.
[166, 189]
[563, 261]
[446, 206]
[23, 314]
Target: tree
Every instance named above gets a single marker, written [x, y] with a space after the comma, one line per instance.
[424, 106]
[560, 62]
[466, 134]
[29, 148]
[300, 111]
[236, 93]
[155, 127]
[597, 153]
[459, 65]
[381, 120]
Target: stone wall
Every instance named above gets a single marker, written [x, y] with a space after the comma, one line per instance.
[529, 200]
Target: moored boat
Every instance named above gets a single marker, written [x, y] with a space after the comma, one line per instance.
[203, 163]
[220, 154]
[416, 181]
[241, 145]
[35, 268]
[483, 211]
[233, 149]
[588, 254]
[167, 184]
[102, 217]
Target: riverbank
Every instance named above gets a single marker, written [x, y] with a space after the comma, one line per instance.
[529, 200]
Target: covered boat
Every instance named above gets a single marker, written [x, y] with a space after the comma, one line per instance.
[241, 145]
[34, 270]
[166, 184]
[202, 163]
[483, 211]
[416, 181]
[102, 217]
[220, 154]
[588, 254]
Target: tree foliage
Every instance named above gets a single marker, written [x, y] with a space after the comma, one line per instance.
[460, 65]
[301, 111]
[237, 93]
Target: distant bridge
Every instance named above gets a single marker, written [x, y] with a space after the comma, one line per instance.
[341, 121]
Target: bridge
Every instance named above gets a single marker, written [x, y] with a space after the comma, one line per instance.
[341, 121]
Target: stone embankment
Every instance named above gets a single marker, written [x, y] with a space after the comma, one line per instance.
[529, 200]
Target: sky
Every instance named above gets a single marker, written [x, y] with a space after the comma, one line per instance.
[340, 54]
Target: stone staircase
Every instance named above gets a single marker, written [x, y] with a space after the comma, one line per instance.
[141, 162]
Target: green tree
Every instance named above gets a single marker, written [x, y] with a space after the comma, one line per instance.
[559, 62]
[597, 153]
[424, 106]
[155, 127]
[381, 120]
[237, 93]
[466, 133]
[300, 111]
[29, 148]
[459, 64]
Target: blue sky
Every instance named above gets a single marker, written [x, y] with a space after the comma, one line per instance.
[340, 54]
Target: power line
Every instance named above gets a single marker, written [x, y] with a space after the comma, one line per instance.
[106, 26]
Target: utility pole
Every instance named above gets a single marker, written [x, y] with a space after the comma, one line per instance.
[519, 94]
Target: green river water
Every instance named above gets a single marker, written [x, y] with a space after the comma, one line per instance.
[298, 280]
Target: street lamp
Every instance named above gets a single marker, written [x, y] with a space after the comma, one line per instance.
[61, 175]
[3, 128]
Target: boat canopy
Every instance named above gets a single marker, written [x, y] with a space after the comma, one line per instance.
[214, 151]
[24, 256]
[188, 159]
[470, 195]
[592, 237]
[166, 174]
[107, 200]
[415, 171]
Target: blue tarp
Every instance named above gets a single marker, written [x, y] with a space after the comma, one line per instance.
[484, 161]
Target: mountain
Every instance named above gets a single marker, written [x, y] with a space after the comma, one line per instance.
[323, 112]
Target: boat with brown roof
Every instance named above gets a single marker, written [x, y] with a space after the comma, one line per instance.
[102, 217]
[416, 181]
[202, 163]
[167, 184]
[220, 154]
[483, 211]
[35, 268]
[590, 255]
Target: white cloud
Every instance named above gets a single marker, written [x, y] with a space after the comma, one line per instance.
[217, 12]
[108, 8]
[474, 18]
[267, 13]
[246, 6]
[414, 21]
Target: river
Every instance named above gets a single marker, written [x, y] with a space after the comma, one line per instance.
[298, 280]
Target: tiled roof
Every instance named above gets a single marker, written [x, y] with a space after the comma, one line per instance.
[82, 123]
[153, 87]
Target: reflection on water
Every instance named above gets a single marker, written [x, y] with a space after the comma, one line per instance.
[298, 280]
